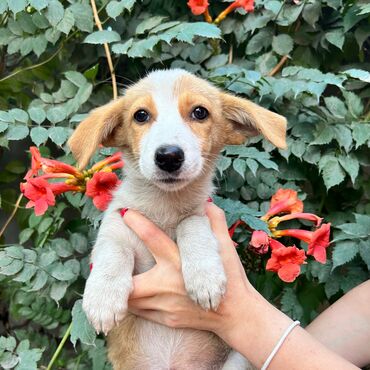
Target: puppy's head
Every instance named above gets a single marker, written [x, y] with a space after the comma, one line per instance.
[172, 125]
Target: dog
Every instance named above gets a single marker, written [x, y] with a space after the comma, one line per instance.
[171, 126]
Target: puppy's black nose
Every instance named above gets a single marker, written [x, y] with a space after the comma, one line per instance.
[169, 158]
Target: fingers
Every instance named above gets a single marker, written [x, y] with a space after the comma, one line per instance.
[160, 244]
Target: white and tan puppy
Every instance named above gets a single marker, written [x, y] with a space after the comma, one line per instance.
[171, 126]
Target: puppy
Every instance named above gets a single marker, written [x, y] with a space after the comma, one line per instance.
[171, 126]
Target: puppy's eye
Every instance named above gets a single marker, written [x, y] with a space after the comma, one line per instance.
[141, 116]
[199, 113]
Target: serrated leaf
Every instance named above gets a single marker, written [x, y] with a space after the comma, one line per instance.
[239, 166]
[252, 165]
[364, 249]
[28, 359]
[54, 12]
[39, 135]
[354, 104]
[61, 272]
[83, 15]
[344, 252]
[325, 136]
[81, 328]
[332, 173]
[361, 133]
[3, 126]
[351, 166]
[223, 163]
[122, 48]
[336, 106]
[343, 135]
[355, 229]
[148, 24]
[68, 21]
[282, 44]
[290, 304]
[102, 37]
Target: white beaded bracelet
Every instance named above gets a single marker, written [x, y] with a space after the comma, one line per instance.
[279, 344]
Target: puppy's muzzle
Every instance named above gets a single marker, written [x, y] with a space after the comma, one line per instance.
[169, 158]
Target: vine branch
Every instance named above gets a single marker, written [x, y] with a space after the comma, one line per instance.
[10, 218]
[106, 49]
[60, 347]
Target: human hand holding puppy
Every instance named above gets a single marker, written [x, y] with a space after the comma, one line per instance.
[244, 319]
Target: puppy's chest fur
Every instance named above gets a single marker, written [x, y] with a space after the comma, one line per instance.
[165, 209]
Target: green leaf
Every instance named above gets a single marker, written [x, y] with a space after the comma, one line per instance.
[26, 274]
[252, 165]
[25, 234]
[343, 135]
[364, 249]
[39, 4]
[58, 290]
[354, 104]
[344, 251]
[336, 106]
[59, 135]
[37, 115]
[16, 6]
[223, 163]
[39, 281]
[54, 12]
[17, 132]
[311, 13]
[3, 126]
[81, 328]
[79, 242]
[122, 48]
[240, 166]
[332, 173]
[351, 166]
[14, 267]
[102, 37]
[56, 114]
[68, 21]
[19, 115]
[39, 135]
[361, 133]
[290, 304]
[359, 74]
[83, 16]
[76, 78]
[61, 272]
[282, 44]
[148, 24]
[336, 38]
[357, 230]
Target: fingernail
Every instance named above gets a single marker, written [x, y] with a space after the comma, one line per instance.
[235, 244]
[122, 211]
[91, 266]
[210, 200]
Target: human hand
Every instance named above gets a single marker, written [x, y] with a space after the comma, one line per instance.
[159, 294]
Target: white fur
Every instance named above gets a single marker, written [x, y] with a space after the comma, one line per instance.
[118, 253]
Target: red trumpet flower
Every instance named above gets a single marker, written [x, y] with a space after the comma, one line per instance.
[284, 200]
[259, 242]
[317, 240]
[286, 261]
[198, 7]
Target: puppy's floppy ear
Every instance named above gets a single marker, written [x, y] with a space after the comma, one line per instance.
[249, 119]
[98, 128]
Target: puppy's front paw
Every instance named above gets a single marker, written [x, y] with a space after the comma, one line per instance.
[205, 283]
[105, 300]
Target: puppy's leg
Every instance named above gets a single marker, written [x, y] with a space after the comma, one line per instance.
[202, 268]
[110, 281]
[236, 361]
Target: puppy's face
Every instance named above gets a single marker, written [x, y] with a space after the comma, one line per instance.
[172, 125]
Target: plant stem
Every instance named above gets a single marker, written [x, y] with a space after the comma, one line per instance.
[60, 347]
[106, 48]
[15, 209]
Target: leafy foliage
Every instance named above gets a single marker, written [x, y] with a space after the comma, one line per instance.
[53, 71]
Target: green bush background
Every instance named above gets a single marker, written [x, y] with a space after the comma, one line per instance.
[53, 70]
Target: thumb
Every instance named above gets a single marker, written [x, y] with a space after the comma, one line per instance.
[159, 243]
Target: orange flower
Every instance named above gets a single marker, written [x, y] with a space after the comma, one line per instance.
[100, 188]
[286, 261]
[284, 200]
[39, 193]
[198, 7]
[319, 243]
[317, 240]
[303, 216]
[259, 242]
